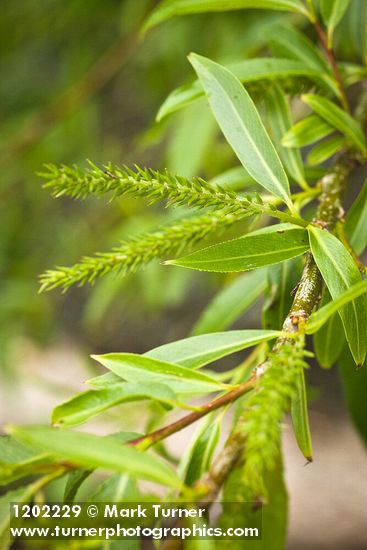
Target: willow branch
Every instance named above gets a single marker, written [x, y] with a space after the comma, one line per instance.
[146, 441]
[306, 298]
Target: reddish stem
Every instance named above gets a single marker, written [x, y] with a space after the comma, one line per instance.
[334, 66]
[150, 439]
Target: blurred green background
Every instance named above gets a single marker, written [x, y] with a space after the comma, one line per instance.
[79, 83]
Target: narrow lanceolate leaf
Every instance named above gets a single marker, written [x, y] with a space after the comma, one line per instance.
[263, 247]
[92, 451]
[117, 488]
[273, 515]
[329, 340]
[307, 131]
[280, 120]
[74, 481]
[332, 12]
[320, 317]
[196, 460]
[282, 279]
[20, 495]
[231, 302]
[76, 478]
[354, 385]
[287, 41]
[18, 460]
[352, 73]
[85, 405]
[240, 122]
[171, 8]
[326, 149]
[248, 71]
[340, 272]
[299, 413]
[198, 351]
[354, 30]
[140, 368]
[356, 222]
[337, 118]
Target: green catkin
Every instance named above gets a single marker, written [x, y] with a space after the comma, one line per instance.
[265, 409]
[139, 251]
[149, 184]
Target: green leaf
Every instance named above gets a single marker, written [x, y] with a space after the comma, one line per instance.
[352, 31]
[354, 384]
[240, 122]
[40, 463]
[287, 41]
[73, 483]
[326, 149]
[332, 12]
[140, 369]
[13, 451]
[307, 131]
[299, 414]
[197, 459]
[352, 73]
[198, 351]
[77, 477]
[282, 279]
[85, 405]
[356, 222]
[337, 118]
[274, 513]
[280, 119]
[171, 8]
[92, 451]
[231, 302]
[266, 246]
[21, 495]
[340, 272]
[320, 317]
[116, 488]
[247, 71]
[18, 460]
[329, 340]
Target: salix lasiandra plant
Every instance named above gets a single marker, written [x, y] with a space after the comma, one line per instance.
[302, 249]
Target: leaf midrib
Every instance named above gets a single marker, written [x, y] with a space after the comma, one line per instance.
[226, 347]
[271, 252]
[277, 182]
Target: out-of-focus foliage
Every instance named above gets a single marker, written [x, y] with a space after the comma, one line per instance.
[66, 97]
